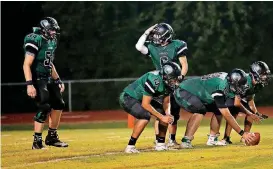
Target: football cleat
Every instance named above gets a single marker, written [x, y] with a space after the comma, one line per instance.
[52, 139]
[38, 143]
[131, 149]
[161, 147]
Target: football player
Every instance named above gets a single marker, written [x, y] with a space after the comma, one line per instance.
[259, 77]
[137, 100]
[196, 95]
[161, 47]
[43, 82]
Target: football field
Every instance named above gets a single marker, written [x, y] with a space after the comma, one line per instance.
[101, 145]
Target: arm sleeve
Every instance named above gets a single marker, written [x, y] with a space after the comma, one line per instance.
[140, 45]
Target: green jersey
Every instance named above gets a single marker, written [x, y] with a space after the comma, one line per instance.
[253, 89]
[171, 52]
[150, 84]
[207, 87]
[44, 51]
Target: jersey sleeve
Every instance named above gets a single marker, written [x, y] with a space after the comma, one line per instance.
[181, 48]
[219, 95]
[219, 98]
[32, 43]
[151, 85]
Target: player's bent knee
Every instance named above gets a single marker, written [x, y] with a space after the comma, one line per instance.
[41, 115]
[144, 116]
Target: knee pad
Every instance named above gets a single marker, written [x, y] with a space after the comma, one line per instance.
[42, 113]
[58, 105]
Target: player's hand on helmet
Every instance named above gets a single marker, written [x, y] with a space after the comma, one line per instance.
[180, 78]
[31, 91]
[167, 119]
[149, 30]
[248, 137]
[60, 84]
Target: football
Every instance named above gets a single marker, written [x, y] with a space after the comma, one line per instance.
[256, 141]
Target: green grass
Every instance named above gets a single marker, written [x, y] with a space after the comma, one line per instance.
[101, 145]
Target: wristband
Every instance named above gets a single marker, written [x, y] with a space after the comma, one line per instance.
[241, 132]
[29, 82]
[58, 81]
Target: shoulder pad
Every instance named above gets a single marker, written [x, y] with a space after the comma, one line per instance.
[179, 42]
[33, 40]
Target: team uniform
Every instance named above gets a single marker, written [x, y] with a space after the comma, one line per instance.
[150, 84]
[48, 92]
[171, 52]
[162, 54]
[196, 95]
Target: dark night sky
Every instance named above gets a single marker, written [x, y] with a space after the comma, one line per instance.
[17, 20]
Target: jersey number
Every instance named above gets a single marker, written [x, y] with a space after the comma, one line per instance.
[48, 59]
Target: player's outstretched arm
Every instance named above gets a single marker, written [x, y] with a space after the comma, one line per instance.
[237, 103]
[219, 99]
[252, 105]
[254, 109]
[249, 137]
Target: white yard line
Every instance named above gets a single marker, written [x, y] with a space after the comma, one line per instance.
[70, 158]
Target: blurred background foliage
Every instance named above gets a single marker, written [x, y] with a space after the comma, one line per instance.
[98, 40]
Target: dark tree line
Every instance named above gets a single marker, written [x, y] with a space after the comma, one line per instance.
[98, 41]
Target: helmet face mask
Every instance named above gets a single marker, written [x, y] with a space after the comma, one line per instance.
[162, 33]
[170, 72]
[50, 28]
[260, 72]
[238, 82]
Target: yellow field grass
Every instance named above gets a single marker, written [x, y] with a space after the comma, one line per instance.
[102, 147]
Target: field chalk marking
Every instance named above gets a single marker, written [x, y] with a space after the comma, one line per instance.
[72, 158]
